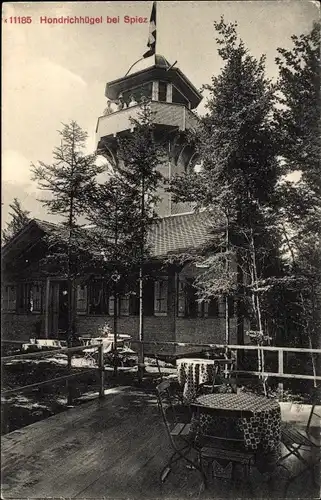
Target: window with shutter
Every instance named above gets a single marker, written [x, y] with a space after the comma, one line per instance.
[36, 298]
[191, 299]
[12, 302]
[160, 299]
[124, 304]
[23, 298]
[181, 304]
[148, 297]
[98, 300]
[10, 298]
[134, 303]
[81, 299]
[203, 309]
[111, 306]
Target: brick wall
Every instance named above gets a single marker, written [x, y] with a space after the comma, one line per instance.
[203, 331]
[197, 330]
[156, 328]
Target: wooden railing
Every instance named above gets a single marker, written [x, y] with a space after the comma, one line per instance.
[232, 347]
[50, 352]
[157, 347]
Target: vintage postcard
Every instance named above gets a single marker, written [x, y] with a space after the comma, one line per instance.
[161, 250]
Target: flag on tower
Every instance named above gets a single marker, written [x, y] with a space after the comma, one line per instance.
[151, 44]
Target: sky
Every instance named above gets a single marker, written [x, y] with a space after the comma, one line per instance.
[55, 73]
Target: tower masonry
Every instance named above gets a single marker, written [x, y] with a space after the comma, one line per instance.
[172, 97]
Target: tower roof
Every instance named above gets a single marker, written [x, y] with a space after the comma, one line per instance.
[145, 71]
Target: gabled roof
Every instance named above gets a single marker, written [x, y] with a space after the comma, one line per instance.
[171, 235]
[179, 233]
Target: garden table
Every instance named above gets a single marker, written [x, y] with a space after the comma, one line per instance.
[254, 419]
[192, 372]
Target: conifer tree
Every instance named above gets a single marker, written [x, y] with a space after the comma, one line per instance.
[67, 180]
[239, 172]
[19, 218]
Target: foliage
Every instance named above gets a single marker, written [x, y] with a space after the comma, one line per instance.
[68, 180]
[299, 204]
[104, 330]
[298, 113]
[237, 147]
[122, 207]
[19, 218]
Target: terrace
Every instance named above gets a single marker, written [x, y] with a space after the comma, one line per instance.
[115, 446]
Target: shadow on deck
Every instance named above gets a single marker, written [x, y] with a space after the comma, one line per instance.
[115, 448]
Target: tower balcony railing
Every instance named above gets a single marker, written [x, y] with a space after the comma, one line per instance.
[165, 113]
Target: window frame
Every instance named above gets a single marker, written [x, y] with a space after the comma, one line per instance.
[104, 300]
[40, 300]
[23, 297]
[163, 90]
[79, 300]
[6, 299]
[161, 297]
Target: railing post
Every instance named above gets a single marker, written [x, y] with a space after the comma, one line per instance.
[4, 415]
[280, 371]
[69, 383]
[141, 363]
[101, 371]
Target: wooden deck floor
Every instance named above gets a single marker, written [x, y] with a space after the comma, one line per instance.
[112, 448]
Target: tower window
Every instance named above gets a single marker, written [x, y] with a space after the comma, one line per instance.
[162, 91]
[179, 98]
[143, 91]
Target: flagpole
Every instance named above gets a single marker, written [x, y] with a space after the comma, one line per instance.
[155, 3]
[134, 65]
[152, 38]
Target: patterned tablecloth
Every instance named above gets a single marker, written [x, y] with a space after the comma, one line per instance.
[192, 372]
[255, 419]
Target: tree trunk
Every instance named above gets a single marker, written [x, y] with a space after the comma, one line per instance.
[141, 364]
[115, 325]
[239, 302]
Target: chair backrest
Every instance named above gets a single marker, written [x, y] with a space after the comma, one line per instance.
[250, 384]
[225, 385]
[225, 366]
[170, 399]
[315, 411]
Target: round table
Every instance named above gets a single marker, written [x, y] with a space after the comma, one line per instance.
[254, 419]
[192, 372]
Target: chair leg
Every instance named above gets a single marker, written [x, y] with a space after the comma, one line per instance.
[164, 473]
[178, 455]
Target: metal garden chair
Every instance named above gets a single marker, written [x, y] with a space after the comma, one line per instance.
[297, 440]
[91, 353]
[223, 369]
[218, 448]
[176, 417]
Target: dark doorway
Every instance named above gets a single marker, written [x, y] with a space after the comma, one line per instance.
[58, 309]
[63, 308]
